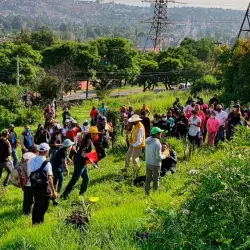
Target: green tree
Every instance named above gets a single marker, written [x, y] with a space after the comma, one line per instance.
[50, 88]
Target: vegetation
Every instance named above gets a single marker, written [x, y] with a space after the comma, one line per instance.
[188, 212]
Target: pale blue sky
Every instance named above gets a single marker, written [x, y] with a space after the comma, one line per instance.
[232, 4]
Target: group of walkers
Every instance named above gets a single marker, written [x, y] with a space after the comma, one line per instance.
[46, 156]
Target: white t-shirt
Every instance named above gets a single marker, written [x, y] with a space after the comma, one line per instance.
[193, 129]
[35, 164]
[222, 116]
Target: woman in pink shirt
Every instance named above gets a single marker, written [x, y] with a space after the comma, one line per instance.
[213, 125]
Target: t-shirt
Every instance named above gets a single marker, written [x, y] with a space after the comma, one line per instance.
[60, 158]
[222, 116]
[193, 129]
[4, 150]
[35, 163]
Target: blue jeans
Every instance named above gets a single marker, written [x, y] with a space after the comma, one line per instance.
[220, 135]
[79, 171]
[58, 179]
[15, 157]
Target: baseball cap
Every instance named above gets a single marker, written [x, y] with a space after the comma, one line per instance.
[11, 126]
[28, 156]
[156, 130]
[44, 147]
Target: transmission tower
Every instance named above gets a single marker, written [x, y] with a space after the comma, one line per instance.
[245, 26]
[158, 23]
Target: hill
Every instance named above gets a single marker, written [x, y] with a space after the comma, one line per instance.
[87, 20]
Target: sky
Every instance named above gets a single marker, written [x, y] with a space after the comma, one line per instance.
[228, 4]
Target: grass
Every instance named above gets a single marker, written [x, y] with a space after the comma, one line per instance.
[123, 210]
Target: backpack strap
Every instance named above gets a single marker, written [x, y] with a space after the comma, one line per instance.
[41, 168]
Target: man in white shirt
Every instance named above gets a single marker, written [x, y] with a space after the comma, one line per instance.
[41, 196]
[222, 116]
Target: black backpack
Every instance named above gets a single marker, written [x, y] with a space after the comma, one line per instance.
[39, 179]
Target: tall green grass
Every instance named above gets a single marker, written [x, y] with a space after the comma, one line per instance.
[123, 210]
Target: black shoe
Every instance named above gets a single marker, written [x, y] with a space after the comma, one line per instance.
[55, 202]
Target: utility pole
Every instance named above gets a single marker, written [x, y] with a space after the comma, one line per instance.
[17, 71]
[159, 21]
[245, 26]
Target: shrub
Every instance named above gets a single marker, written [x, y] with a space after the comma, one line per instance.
[207, 82]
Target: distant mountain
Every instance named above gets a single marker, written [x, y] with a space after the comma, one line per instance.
[87, 20]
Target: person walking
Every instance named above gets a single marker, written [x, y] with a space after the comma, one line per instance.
[80, 166]
[59, 163]
[154, 157]
[28, 198]
[42, 135]
[137, 141]
[213, 125]
[13, 143]
[5, 152]
[41, 180]
[27, 140]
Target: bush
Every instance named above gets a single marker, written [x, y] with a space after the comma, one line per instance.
[207, 82]
[217, 214]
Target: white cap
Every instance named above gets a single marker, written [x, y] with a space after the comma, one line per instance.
[85, 121]
[44, 147]
[67, 120]
[28, 156]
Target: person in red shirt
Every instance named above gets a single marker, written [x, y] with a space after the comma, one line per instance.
[93, 115]
[72, 131]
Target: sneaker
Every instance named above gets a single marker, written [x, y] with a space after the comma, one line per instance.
[95, 165]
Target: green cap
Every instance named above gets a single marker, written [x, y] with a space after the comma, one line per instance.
[156, 130]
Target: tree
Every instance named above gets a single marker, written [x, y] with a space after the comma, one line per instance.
[236, 73]
[29, 63]
[171, 69]
[117, 62]
[207, 82]
[38, 40]
[50, 88]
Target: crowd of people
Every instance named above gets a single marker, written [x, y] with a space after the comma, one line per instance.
[47, 155]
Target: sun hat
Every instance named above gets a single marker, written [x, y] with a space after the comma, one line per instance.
[44, 147]
[135, 118]
[93, 130]
[28, 156]
[156, 130]
[67, 143]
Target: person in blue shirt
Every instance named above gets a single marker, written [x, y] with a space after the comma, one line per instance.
[13, 143]
[103, 110]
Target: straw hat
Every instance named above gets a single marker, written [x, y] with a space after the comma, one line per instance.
[135, 118]
[93, 130]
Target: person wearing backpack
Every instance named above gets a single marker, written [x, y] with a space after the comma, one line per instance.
[27, 140]
[28, 198]
[41, 181]
[5, 152]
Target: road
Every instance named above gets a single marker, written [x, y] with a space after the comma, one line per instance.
[81, 95]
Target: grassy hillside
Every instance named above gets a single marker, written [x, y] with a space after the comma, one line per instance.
[123, 210]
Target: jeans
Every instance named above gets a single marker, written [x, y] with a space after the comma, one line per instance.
[79, 171]
[220, 135]
[40, 208]
[8, 166]
[14, 156]
[152, 174]
[58, 178]
[28, 200]
[195, 139]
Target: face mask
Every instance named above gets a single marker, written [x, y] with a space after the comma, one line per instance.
[41, 129]
[27, 130]
[212, 116]
[164, 119]
[210, 109]
[218, 110]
